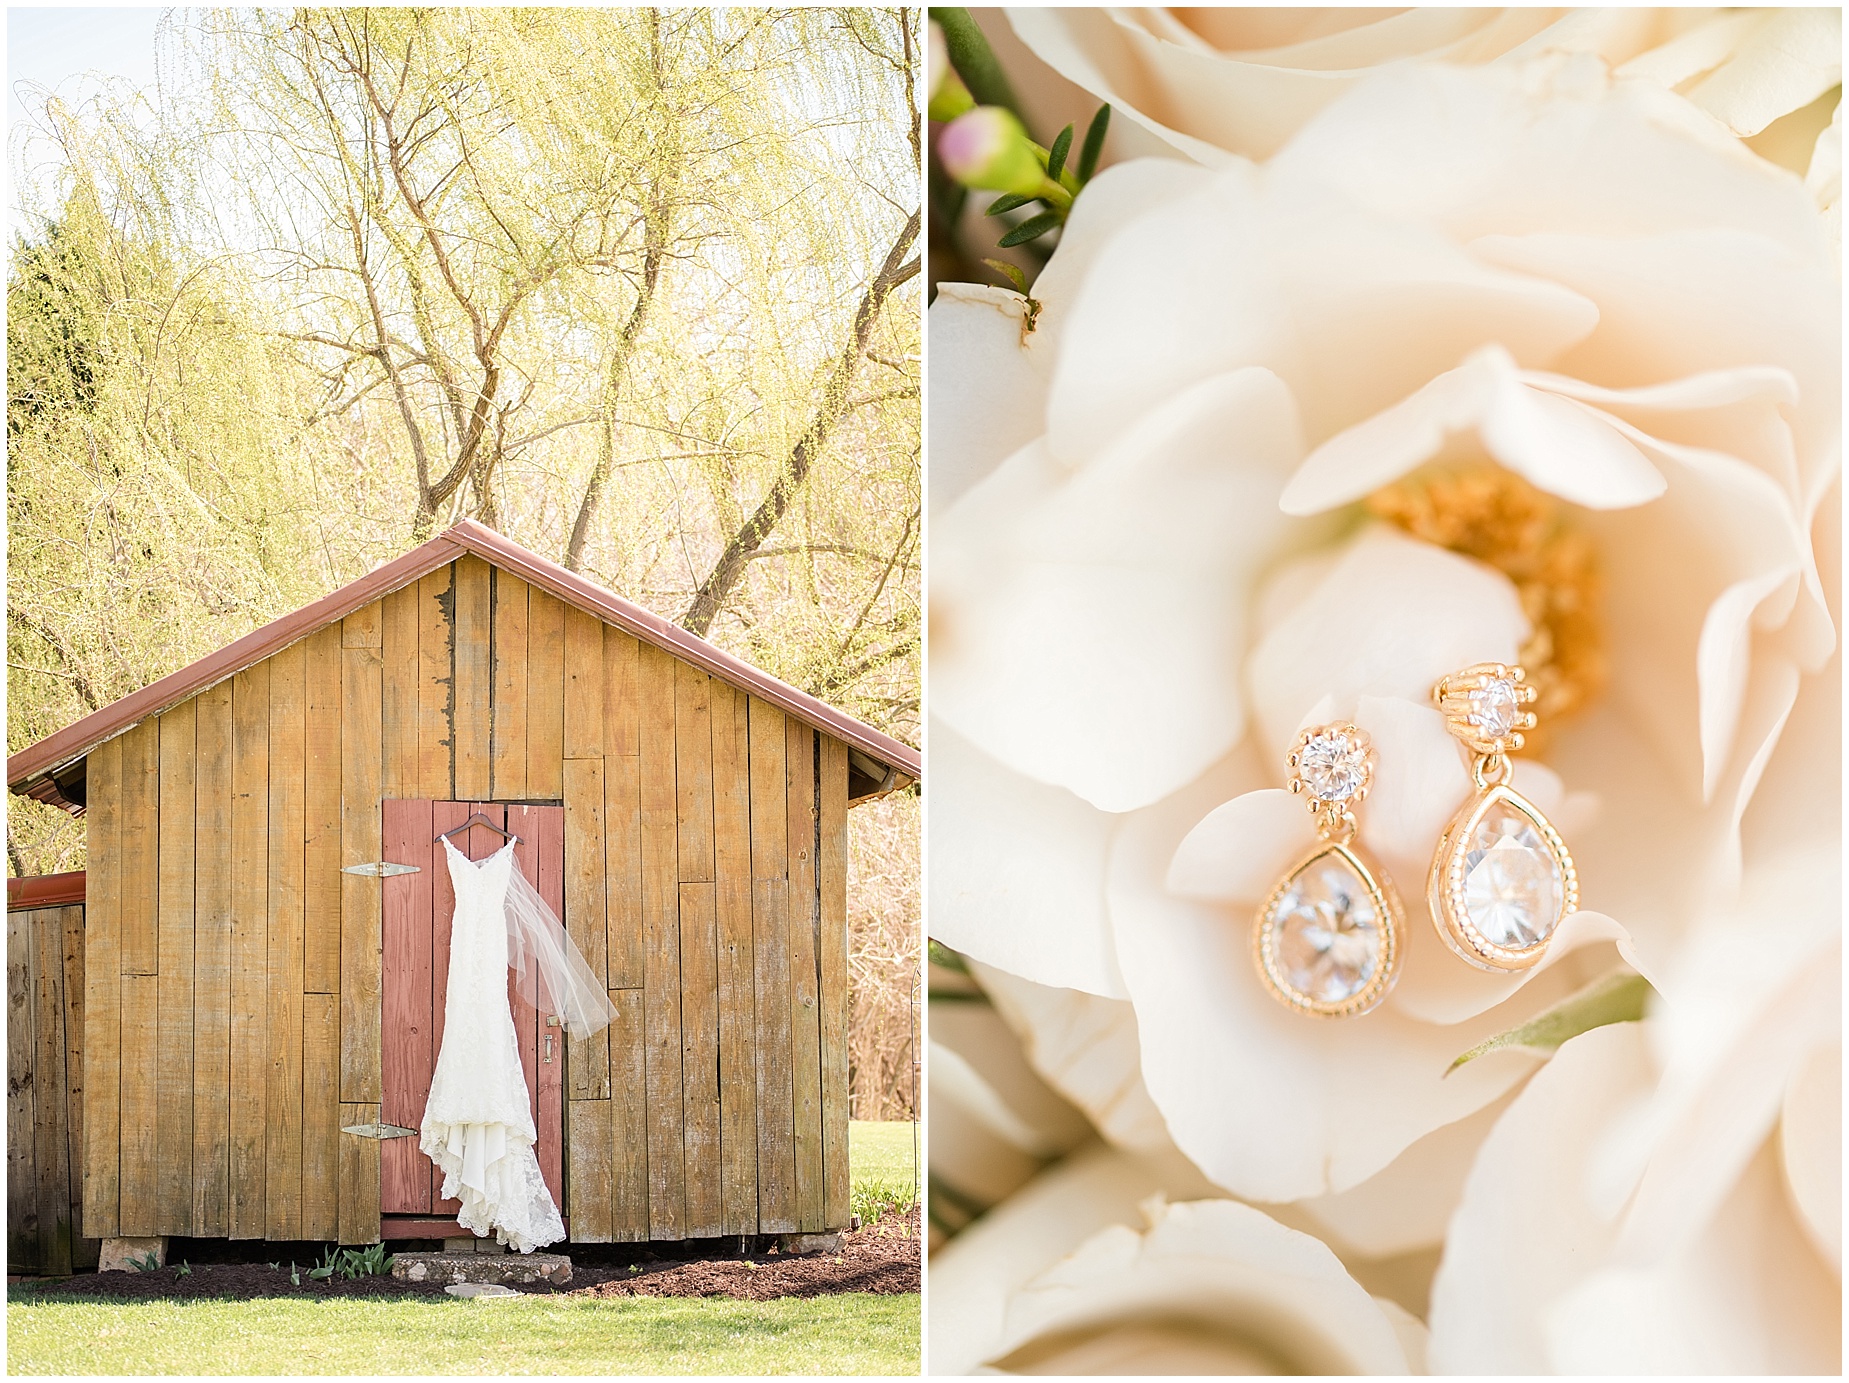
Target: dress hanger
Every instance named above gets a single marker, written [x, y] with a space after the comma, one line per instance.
[479, 819]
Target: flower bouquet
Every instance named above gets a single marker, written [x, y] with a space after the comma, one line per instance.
[1463, 388]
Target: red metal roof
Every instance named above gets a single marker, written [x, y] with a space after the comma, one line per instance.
[29, 771]
[44, 891]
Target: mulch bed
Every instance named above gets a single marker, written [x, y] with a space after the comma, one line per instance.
[879, 1258]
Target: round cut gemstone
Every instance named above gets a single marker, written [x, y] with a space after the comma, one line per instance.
[1328, 931]
[1512, 880]
[1494, 708]
[1332, 766]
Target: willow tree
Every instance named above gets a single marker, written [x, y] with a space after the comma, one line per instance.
[590, 275]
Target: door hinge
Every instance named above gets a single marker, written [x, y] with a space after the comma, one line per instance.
[382, 869]
[379, 1131]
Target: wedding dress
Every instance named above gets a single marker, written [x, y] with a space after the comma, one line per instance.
[478, 1123]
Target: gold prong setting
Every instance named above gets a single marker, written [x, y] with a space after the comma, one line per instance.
[1482, 706]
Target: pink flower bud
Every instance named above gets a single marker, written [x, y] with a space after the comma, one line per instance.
[987, 147]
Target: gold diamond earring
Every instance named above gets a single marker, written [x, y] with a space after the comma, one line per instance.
[1328, 939]
[1502, 880]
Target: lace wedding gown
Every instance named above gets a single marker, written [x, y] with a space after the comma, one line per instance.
[478, 1124]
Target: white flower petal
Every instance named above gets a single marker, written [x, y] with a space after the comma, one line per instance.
[973, 1049]
[974, 1276]
[1811, 1139]
[1096, 619]
[1215, 1280]
[1551, 148]
[1419, 780]
[1085, 1047]
[1407, 1205]
[1691, 300]
[1749, 1297]
[988, 395]
[1351, 311]
[1390, 619]
[1562, 447]
[1524, 1234]
[1788, 61]
[1017, 871]
[1239, 849]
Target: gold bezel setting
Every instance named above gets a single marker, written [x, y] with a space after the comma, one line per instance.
[1445, 886]
[1390, 924]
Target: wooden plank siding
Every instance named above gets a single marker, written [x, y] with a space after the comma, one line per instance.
[102, 993]
[212, 921]
[770, 912]
[231, 978]
[805, 1030]
[45, 1150]
[667, 1166]
[831, 886]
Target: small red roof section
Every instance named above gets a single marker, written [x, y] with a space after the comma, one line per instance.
[31, 771]
[44, 891]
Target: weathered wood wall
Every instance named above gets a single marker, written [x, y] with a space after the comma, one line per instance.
[233, 996]
[44, 1092]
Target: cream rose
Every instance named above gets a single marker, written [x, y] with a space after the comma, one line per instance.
[1213, 82]
[1669, 1195]
[1090, 1270]
[1149, 570]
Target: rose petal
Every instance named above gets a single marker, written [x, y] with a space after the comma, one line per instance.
[1524, 1217]
[1352, 312]
[1084, 1047]
[1239, 849]
[1691, 300]
[1811, 1139]
[1561, 446]
[1096, 620]
[1788, 61]
[1407, 1205]
[1419, 780]
[974, 1275]
[1749, 1297]
[988, 393]
[1017, 871]
[973, 1050]
[1390, 619]
[1548, 149]
[1241, 1284]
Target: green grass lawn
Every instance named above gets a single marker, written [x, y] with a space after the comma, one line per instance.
[882, 1152]
[640, 1335]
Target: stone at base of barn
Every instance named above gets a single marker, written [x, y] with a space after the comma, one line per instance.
[808, 1243]
[482, 1267]
[127, 1255]
[473, 1245]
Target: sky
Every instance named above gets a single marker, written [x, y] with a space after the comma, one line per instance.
[58, 47]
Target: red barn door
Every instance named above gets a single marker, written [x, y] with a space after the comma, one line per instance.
[418, 911]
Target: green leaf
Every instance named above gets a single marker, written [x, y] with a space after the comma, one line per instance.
[1032, 230]
[1094, 143]
[1056, 156]
[1011, 272]
[974, 60]
[941, 954]
[1618, 997]
[1008, 201]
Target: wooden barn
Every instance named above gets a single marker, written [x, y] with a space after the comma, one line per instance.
[251, 997]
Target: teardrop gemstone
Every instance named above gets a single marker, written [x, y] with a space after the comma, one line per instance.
[1512, 880]
[1502, 882]
[1328, 936]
